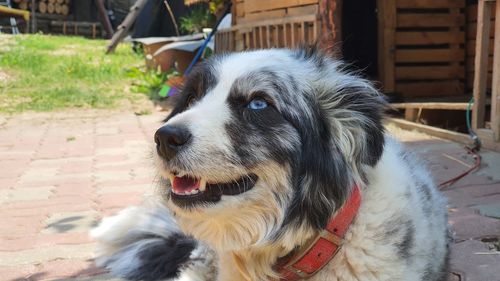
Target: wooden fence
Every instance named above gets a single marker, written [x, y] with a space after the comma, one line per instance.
[421, 52]
[487, 131]
[273, 33]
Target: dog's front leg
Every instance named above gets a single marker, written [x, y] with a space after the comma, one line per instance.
[145, 243]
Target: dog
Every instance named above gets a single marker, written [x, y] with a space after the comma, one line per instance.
[275, 165]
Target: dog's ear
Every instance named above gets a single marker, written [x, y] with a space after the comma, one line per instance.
[342, 134]
[355, 112]
[321, 175]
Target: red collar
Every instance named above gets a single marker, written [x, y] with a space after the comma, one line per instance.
[309, 260]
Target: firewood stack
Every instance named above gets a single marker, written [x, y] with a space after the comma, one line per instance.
[60, 7]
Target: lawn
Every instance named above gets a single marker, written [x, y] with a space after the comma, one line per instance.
[44, 73]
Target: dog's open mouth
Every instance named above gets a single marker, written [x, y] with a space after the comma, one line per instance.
[188, 191]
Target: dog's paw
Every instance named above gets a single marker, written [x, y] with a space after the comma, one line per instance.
[144, 243]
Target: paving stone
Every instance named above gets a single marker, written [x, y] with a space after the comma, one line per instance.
[25, 194]
[37, 240]
[491, 164]
[476, 260]
[7, 183]
[58, 162]
[40, 174]
[467, 224]
[32, 256]
[110, 176]
[122, 200]
[489, 210]
[110, 159]
[53, 270]
[101, 277]
[144, 188]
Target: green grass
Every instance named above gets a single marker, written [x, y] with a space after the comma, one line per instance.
[44, 73]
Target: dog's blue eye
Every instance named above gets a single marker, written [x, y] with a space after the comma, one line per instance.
[257, 104]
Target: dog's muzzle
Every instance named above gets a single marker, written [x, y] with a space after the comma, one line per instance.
[191, 190]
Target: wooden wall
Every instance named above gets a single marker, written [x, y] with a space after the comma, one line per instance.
[267, 24]
[429, 53]
[471, 31]
[247, 11]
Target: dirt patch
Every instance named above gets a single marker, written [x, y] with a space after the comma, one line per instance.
[4, 77]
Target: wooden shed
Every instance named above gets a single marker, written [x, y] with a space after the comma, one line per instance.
[421, 53]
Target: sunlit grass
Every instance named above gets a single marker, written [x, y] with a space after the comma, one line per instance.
[43, 73]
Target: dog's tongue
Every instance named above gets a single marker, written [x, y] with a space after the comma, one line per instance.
[185, 184]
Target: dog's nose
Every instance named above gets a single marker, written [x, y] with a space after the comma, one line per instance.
[169, 139]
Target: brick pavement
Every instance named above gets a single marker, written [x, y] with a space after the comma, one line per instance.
[61, 172]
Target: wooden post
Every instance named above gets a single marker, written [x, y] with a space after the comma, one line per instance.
[386, 43]
[495, 89]
[33, 17]
[411, 114]
[329, 10]
[103, 15]
[123, 28]
[481, 63]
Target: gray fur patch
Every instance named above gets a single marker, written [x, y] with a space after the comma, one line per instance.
[406, 244]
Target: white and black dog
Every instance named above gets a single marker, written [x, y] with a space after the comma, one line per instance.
[266, 155]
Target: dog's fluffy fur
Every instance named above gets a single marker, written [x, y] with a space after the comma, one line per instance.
[320, 134]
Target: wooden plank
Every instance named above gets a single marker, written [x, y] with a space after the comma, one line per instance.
[442, 133]
[421, 89]
[437, 132]
[254, 44]
[240, 10]
[330, 24]
[412, 114]
[430, 4]
[275, 35]
[303, 32]
[456, 47]
[471, 13]
[278, 21]
[429, 37]
[471, 29]
[469, 64]
[263, 15]
[429, 72]
[261, 37]
[432, 105]
[470, 79]
[430, 55]
[386, 43]
[430, 20]
[495, 88]
[265, 5]
[302, 10]
[470, 47]
[270, 30]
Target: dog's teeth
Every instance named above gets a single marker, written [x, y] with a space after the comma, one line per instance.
[203, 185]
[195, 191]
[171, 178]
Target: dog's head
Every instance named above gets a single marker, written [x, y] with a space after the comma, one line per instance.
[262, 141]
